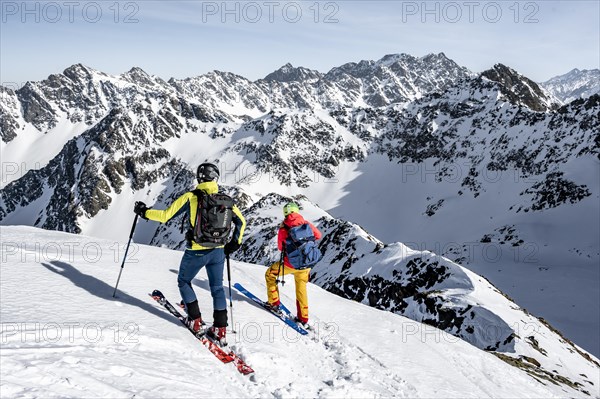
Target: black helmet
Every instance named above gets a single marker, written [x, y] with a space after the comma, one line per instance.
[207, 172]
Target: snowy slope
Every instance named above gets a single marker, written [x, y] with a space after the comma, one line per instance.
[63, 335]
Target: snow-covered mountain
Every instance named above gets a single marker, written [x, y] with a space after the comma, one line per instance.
[574, 85]
[65, 336]
[416, 150]
[521, 90]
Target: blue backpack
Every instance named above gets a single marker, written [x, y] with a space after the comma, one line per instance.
[300, 247]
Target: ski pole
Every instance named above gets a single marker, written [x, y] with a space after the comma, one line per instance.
[230, 295]
[281, 270]
[282, 263]
[125, 256]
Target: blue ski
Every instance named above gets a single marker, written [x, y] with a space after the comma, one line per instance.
[287, 319]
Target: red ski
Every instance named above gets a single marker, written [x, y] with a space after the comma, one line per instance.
[215, 349]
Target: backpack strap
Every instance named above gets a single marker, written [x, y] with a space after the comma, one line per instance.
[287, 229]
[199, 195]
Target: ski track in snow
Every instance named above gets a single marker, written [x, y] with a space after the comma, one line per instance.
[349, 371]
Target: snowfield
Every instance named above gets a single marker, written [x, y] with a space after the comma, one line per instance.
[63, 335]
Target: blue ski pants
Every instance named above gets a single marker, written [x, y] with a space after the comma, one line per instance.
[191, 263]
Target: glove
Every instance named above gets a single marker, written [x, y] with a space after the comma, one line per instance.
[140, 209]
[231, 247]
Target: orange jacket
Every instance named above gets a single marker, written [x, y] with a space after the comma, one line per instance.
[293, 220]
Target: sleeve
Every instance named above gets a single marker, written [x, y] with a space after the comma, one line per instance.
[239, 223]
[281, 237]
[316, 231]
[179, 206]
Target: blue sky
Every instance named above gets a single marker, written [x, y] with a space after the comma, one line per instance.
[188, 38]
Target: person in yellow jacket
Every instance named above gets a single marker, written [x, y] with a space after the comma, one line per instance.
[291, 212]
[197, 256]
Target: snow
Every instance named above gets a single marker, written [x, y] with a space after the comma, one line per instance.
[32, 149]
[64, 335]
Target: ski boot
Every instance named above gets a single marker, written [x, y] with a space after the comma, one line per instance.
[217, 334]
[275, 309]
[195, 325]
[301, 323]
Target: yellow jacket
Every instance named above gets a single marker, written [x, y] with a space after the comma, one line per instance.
[188, 202]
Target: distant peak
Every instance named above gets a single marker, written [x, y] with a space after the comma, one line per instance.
[518, 88]
[503, 68]
[503, 74]
[78, 68]
[224, 74]
[393, 57]
[575, 74]
[137, 71]
[289, 73]
[78, 71]
[433, 56]
[390, 59]
[138, 75]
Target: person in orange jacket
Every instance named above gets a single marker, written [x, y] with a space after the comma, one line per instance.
[292, 219]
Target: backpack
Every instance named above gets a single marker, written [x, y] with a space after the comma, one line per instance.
[213, 219]
[300, 247]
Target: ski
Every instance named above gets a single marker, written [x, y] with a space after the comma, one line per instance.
[215, 349]
[286, 317]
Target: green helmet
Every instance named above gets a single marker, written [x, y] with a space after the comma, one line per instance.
[290, 207]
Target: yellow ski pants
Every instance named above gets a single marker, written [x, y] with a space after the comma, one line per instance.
[300, 277]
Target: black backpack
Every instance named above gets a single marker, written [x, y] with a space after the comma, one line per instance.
[213, 219]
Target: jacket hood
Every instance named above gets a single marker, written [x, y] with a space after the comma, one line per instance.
[293, 220]
[210, 187]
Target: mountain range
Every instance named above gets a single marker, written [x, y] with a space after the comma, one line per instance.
[412, 166]
[574, 84]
